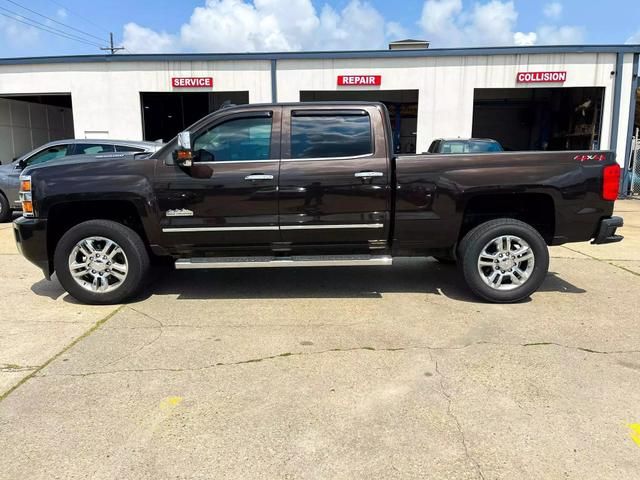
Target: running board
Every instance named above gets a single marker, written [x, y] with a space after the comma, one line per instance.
[294, 261]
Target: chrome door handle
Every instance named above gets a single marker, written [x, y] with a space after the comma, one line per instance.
[258, 176]
[368, 174]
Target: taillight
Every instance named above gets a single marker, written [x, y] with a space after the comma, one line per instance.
[611, 182]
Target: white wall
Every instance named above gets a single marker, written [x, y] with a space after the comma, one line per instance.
[26, 125]
[446, 84]
[106, 96]
[622, 143]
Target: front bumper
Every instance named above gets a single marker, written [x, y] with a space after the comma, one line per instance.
[607, 231]
[31, 239]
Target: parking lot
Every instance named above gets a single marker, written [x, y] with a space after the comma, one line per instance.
[372, 372]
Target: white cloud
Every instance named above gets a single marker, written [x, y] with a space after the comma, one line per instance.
[268, 25]
[16, 34]
[635, 38]
[525, 39]
[447, 23]
[553, 10]
[288, 25]
[137, 39]
[62, 13]
[560, 35]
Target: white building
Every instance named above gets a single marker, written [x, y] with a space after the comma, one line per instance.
[529, 98]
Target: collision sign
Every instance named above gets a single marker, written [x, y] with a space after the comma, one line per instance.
[192, 82]
[541, 77]
[359, 80]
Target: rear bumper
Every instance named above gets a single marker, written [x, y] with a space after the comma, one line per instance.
[607, 231]
[31, 239]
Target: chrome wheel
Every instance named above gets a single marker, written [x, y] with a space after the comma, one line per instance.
[98, 264]
[506, 262]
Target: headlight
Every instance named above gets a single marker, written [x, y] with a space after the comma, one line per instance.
[25, 196]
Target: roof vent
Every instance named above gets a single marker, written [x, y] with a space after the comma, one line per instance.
[409, 44]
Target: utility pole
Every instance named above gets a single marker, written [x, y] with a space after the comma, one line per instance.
[111, 47]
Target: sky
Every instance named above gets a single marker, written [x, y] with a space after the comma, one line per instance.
[164, 26]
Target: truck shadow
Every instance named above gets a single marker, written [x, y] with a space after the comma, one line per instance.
[420, 276]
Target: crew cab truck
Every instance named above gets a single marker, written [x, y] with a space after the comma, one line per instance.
[310, 184]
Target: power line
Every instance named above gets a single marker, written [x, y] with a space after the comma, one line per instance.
[55, 21]
[79, 16]
[49, 28]
[77, 39]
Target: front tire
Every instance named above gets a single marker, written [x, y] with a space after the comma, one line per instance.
[101, 262]
[504, 260]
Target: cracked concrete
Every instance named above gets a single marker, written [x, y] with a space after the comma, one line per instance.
[326, 373]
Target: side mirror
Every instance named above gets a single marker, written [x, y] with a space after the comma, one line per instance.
[183, 155]
[21, 165]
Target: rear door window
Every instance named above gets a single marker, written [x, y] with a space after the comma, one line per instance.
[127, 148]
[92, 148]
[330, 135]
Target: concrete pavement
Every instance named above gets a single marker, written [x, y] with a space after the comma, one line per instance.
[326, 373]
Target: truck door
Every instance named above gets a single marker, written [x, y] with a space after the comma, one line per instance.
[229, 197]
[334, 177]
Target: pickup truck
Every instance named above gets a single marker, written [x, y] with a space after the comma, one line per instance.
[310, 184]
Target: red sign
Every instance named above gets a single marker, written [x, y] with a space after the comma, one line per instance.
[359, 80]
[192, 82]
[541, 77]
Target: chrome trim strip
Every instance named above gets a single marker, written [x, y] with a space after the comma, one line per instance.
[189, 264]
[331, 227]
[364, 155]
[272, 160]
[217, 229]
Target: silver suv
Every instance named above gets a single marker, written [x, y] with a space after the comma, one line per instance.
[10, 173]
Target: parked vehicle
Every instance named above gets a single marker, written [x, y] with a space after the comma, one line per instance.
[310, 184]
[464, 145]
[10, 172]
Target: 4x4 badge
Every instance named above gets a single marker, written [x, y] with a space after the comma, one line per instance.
[181, 212]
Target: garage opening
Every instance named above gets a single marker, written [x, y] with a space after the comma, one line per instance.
[539, 118]
[28, 121]
[165, 114]
[402, 106]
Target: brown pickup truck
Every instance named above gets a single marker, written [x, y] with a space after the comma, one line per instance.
[310, 184]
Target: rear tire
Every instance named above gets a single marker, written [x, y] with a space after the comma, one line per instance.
[101, 262]
[5, 209]
[503, 260]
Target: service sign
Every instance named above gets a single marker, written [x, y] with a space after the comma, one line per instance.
[192, 82]
[359, 80]
[541, 77]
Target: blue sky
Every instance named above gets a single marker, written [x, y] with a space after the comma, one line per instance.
[276, 25]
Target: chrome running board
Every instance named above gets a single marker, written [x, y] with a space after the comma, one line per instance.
[294, 261]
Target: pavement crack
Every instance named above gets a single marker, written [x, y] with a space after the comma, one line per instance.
[581, 349]
[450, 412]
[35, 372]
[319, 352]
[159, 327]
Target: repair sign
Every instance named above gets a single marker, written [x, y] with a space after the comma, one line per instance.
[359, 80]
[192, 82]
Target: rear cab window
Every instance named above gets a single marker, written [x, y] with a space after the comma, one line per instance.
[330, 134]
